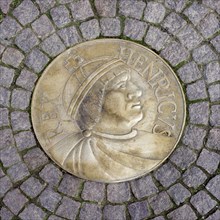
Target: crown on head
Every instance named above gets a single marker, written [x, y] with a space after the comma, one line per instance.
[83, 79]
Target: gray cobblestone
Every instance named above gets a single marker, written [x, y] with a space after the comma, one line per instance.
[43, 27]
[51, 174]
[26, 12]
[32, 187]
[64, 1]
[68, 208]
[214, 139]
[143, 187]
[70, 36]
[183, 157]
[49, 199]
[20, 121]
[209, 25]
[154, 12]
[213, 186]
[4, 121]
[178, 38]
[106, 8]
[70, 185]
[175, 53]
[139, 210]
[9, 156]
[26, 40]
[196, 90]
[194, 177]
[90, 211]
[194, 136]
[177, 5]
[212, 72]
[118, 193]
[26, 79]
[25, 140]
[6, 76]
[214, 216]
[90, 29]
[93, 191]
[6, 139]
[179, 193]
[5, 185]
[1, 172]
[196, 12]
[189, 37]
[4, 97]
[114, 212]
[45, 5]
[189, 72]
[5, 214]
[173, 23]
[13, 57]
[53, 45]
[2, 48]
[202, 202]
[36, 60]
[216, 42]
[6, 42]
[208, 160]
[159, 218]
[131, 8]
[32, 212]
[134, 29]
[18, 172]
[35, 158]
[15, 200]
[204, 54]
[81, 10]
[54, 217]
[5, 6]
[110, 27]
[160, 202]
[215, 115]
[212, 4]
[156, 38]
[9, 28]
[167, 174]
[214, 92]
[184, 212]
[199, 113]
[60, 16]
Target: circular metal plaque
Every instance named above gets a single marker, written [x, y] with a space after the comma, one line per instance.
[108, 110]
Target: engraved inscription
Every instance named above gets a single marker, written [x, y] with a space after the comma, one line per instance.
[108, 110]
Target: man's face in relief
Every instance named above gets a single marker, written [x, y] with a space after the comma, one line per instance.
[122, 99]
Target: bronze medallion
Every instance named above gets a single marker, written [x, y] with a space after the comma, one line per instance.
[108, 110]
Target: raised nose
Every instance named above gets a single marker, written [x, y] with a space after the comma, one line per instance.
[134, 91]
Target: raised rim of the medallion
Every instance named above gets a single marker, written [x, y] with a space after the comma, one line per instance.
[136, 44]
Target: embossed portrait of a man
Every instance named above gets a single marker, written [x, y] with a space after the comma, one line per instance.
[104, 101]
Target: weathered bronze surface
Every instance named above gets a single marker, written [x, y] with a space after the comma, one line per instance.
[108, 110]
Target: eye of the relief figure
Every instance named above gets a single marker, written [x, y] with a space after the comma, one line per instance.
[108, 110]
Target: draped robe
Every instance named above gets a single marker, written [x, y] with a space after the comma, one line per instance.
[109, 158]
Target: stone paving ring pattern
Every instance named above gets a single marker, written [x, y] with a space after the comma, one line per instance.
[108, 110]
[185, 33]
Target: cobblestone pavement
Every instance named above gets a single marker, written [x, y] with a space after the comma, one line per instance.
[185, 33]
